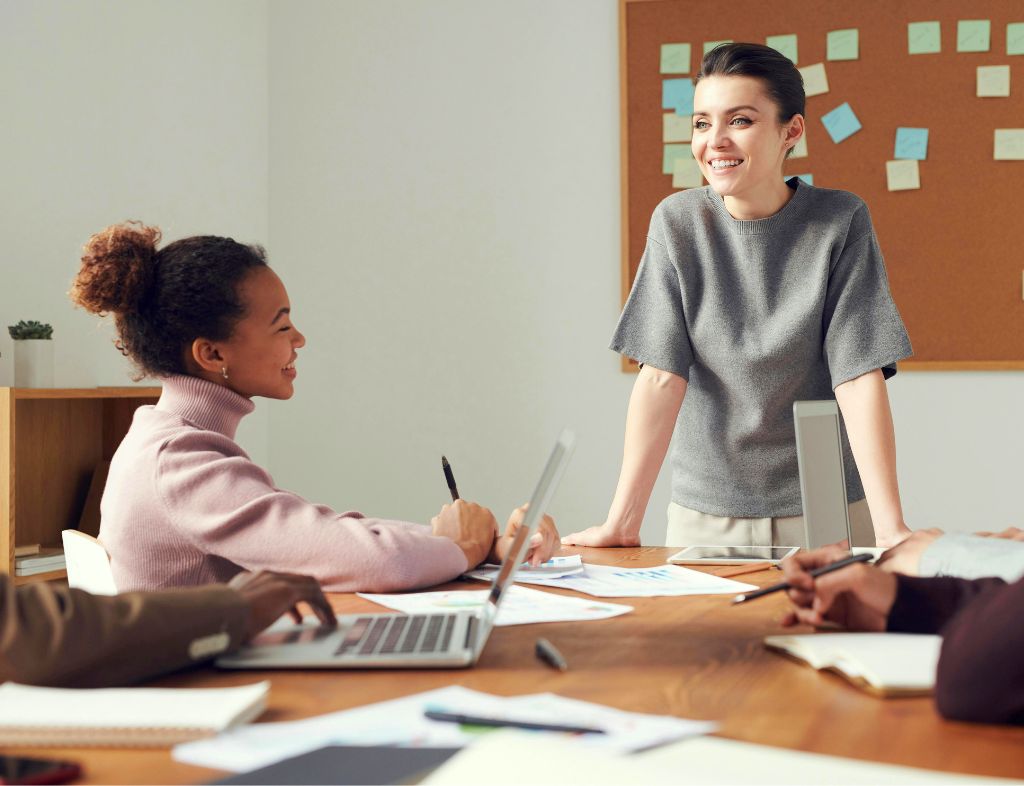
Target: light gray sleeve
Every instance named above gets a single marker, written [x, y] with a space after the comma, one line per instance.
[973, 557]
[652, 328]
[863, 329]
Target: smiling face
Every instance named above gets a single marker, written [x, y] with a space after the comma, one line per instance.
[260, 354]
[740, 143]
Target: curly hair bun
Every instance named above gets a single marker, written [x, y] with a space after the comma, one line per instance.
[117, 268]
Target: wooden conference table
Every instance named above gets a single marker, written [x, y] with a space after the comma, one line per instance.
[694, 657]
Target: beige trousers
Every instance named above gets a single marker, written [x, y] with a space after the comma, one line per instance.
[691, 528]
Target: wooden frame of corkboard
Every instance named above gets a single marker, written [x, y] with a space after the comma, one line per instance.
[948, 246]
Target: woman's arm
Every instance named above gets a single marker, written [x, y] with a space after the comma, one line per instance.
[650, 420]
[865, 406]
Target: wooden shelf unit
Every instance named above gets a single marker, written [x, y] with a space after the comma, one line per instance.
[51, 442]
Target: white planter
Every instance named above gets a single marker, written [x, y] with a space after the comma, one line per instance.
[33, 363]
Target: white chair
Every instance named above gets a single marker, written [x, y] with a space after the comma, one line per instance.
[88, 563]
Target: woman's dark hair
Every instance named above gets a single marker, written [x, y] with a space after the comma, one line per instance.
[163, 300]
[780, 77]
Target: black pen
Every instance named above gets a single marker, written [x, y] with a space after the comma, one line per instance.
[473, 720]
[449, 478]
[785, 585]
[548, 653]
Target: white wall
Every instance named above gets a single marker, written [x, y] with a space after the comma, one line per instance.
[444, 201]
[117, 110]
[438, 184]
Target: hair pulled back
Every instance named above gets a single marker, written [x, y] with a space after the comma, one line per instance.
[162, 300]
[778, 74]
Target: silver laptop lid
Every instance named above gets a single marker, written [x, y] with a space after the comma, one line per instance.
[819, 453]
[546, 486]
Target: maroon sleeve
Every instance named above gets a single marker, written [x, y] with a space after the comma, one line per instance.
[925, 605]
[981, 668]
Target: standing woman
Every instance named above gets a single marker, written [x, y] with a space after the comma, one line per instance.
[184, 504]
[754, 292]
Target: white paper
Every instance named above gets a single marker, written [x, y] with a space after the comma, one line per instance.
[606, 581]
[552, 569]
[695, 760]
[519, 605]
[401, 722]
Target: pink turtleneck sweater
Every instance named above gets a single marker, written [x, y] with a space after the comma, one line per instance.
[185, 505]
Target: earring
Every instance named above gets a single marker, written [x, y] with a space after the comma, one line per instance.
[224, 371]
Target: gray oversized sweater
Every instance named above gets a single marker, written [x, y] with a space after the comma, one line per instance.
[756, 315]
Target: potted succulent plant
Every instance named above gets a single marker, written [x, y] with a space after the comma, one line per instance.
[33, 354]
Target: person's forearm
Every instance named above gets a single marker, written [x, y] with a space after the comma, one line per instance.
[650, 420]
[865, 406]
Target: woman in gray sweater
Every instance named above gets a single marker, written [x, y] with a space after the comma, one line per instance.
[752, 293]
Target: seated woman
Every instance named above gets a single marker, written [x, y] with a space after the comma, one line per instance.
[184, 504]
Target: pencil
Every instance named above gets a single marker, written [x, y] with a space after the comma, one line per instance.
[785, 585]
[449, 478]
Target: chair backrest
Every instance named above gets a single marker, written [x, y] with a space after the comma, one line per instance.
[88, 563]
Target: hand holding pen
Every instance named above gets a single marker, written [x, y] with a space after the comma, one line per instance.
[856, 596]
[544, 544]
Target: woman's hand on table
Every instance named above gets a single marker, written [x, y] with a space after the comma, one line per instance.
[543, 545]
[602, 536]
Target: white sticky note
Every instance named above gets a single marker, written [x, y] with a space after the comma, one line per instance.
[994, 81]
[1009, 144]
[902, 175]
[686, 173]
[785, 44]
[800, 148]
[709, 45]
[815, 80]
[676, 128]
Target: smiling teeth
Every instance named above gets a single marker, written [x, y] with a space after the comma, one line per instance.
[723, 164]
[289, 366]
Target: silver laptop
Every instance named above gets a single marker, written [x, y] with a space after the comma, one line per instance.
[419, 641]
[819, 453]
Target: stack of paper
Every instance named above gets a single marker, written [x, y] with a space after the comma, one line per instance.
[606, 581]
[42, 561]
[142, 717]
[402, 722]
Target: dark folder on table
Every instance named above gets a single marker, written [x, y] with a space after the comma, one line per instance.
[342, 764]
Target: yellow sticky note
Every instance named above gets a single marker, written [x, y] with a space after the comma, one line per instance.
[994, 81]
[902, 175]
[686, 173]
[1009, 144]
[815, 80]
[676, 128]
[800, 148]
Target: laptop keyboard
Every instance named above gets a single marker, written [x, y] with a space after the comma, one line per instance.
[398, 633]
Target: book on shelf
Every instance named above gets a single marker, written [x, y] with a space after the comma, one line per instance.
[26, 550]
[123, 717]
[45, 561]
[885, 664]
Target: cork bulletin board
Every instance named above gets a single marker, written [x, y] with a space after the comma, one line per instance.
[954, 247]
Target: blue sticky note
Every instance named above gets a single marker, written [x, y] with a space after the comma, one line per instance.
[672, 152]
[677, 94]
[808, 179]
[911, 143]
[841, 123]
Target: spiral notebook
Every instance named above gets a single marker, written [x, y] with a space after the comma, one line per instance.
[123, 717]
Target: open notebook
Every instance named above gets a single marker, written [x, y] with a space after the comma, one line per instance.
[886, 664]
[123, 717]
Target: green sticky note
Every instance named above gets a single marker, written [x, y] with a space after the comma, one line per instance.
[675, 58]
[709, 45]
[786, 44]
[1015, 38]
[924, 38]
[972, 35]
[843, 44]
[673, 152]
